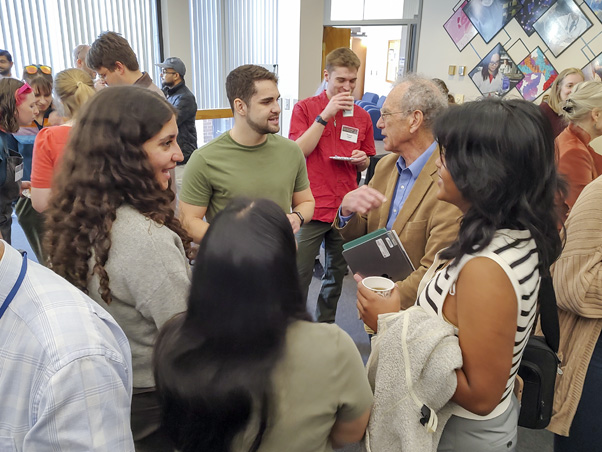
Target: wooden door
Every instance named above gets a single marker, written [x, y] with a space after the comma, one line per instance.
[361, 51]
[333, 38]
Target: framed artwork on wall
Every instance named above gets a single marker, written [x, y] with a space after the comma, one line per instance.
[490, 16]
[393, 60]
[460, 29]
[561, 25]
[593, 69]
[496, 74]
[596, 7]
[539, 75]
[531, 11]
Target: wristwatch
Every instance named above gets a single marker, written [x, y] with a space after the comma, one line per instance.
[321, 121]
[299, 214]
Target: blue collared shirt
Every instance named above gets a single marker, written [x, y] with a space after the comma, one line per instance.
[405, 181]
[66, 366]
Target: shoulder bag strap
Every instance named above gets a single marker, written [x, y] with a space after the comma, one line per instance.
[549, 312]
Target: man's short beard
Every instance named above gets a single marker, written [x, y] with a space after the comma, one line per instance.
[5, 72]
[262, 130]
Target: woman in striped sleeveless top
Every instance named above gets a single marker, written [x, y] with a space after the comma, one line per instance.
[497, 165]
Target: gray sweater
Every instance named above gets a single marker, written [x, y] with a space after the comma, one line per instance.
[149, 278]
[412, 349]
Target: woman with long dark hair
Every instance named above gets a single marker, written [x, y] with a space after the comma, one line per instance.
[244, 369]
[498, 167]
[112, 233]
[489, 79]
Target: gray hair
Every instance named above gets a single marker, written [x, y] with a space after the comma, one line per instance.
[423, 95]
[586, 96]
[80, 52]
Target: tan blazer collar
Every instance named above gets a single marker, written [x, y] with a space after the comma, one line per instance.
[426, 178]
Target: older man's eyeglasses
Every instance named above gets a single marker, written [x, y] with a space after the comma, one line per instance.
[165, 71]
[384, 113]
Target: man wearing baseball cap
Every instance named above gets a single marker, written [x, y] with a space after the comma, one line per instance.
[178, 94]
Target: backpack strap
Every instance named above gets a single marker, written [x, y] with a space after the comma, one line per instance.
[549, 312]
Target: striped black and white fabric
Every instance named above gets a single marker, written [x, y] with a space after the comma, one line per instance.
[516, 253]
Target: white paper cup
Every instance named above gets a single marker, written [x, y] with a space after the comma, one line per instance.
[379, 285]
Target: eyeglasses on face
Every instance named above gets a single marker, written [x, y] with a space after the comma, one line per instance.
[384, 113]
[165, 71]
[34, 68]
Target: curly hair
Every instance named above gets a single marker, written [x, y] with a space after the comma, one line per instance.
[8, 104]
[104, 167]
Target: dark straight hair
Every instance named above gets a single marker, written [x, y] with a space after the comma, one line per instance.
[485, 69]
[213, 363]
[501, 157]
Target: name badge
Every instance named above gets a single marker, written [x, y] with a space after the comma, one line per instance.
[18, 172]
[349, 134]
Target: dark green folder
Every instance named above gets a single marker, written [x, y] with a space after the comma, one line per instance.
[379, 253]
[364, 238]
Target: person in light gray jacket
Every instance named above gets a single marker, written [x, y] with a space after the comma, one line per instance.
[113, 234]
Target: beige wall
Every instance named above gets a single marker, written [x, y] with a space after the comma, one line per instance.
[299, 53]
[176, 33]
[437, 51]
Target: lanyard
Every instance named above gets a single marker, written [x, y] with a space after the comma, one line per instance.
[15, 288]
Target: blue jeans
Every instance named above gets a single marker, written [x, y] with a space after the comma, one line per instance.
[309, 239]
[585, 434]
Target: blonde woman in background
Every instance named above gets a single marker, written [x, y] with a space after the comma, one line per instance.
[552, 103]
[73, 87]
[576, 159]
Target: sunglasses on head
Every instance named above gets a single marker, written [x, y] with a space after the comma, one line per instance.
[34, 68]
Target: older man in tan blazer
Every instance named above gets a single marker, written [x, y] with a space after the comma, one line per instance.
[402, 195]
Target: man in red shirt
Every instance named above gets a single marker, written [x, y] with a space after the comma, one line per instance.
[337, 139]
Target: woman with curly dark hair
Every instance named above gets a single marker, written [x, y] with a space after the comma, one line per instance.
[113, 234]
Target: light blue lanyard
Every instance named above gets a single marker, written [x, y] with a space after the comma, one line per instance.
[16, 287]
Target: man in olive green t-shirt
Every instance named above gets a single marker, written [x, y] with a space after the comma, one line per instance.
[249, 160]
